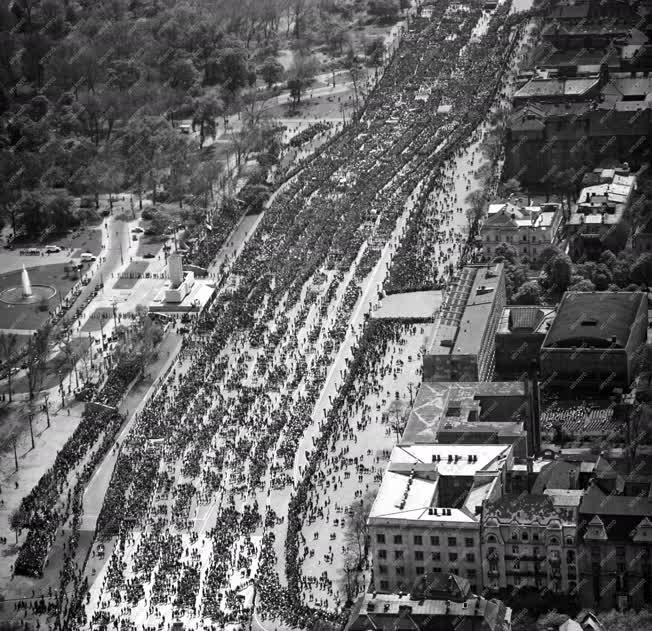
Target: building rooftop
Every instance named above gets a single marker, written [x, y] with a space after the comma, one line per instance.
[619, 516]
[415, 487]
[418, 306]
[600, 319]
[394, 612]
[465, 311]
[525, 508]
[445, 406]
[555, 86]
[570, 498]
[525, 319]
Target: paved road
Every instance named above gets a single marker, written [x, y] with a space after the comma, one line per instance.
[131, 406]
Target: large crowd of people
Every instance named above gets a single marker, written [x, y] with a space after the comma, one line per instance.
[196, 498]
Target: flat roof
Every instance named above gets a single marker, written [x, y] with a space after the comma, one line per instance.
[594, 315]
[428, 415]
[411, 482]
[465, 311]
[413, 305]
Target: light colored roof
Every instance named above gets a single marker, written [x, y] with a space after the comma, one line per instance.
[565, 497]
[489, 458]
[414, 305]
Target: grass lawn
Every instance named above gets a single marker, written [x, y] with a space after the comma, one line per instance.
[149, 245]
[29, 316]
[135, 268]
[98, 320]
[81, 240]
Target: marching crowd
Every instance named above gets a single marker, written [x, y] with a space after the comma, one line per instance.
[196, 481]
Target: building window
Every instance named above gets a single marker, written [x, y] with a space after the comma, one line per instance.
[569, 541]
[380, 538]
[620, 551]
[452, 541]
[398, 555]
[517, 564]
[470, 557]
[535, 536]
[514, 549]
[418, 555]
[434, 540]
[468, 542]
[382, 569]
[400, 570]
[554, 541]
[398, 540]
[418, 540]
[524, 536]
[382, 554]
[436, 569]
[436, 556]
[384, 585]
[474, 588]
[515, 536]
[420, 570]
[491, 539]
[452, 556]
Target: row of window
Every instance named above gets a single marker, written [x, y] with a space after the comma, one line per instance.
[417, 540]
[420, 570]
[419, 556]
[553, 541]
[512, 238]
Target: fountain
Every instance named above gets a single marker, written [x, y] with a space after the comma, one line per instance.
[27, 293]
[27, 286]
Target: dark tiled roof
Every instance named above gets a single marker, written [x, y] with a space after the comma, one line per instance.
[595, 316]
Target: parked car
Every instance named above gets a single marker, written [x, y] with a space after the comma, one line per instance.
[149, 255]
[87, 257]
[138, 229]
[52, 249]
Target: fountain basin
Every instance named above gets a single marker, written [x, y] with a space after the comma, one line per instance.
[16, 296]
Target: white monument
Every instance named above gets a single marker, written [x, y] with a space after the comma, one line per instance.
[27, 286]
[175, 269]
[180, 282]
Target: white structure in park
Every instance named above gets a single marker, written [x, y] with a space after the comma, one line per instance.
[180, 282]
[27, 285]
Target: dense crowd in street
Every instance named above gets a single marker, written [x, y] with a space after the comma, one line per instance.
[196, 498]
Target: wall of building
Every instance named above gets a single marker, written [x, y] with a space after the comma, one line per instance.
[637, 336]
[579, 143]
[442, 547]
[615, 574]
[487, 354]
[450, 368]
[529, 555]
[515, 352]
[584, 368]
